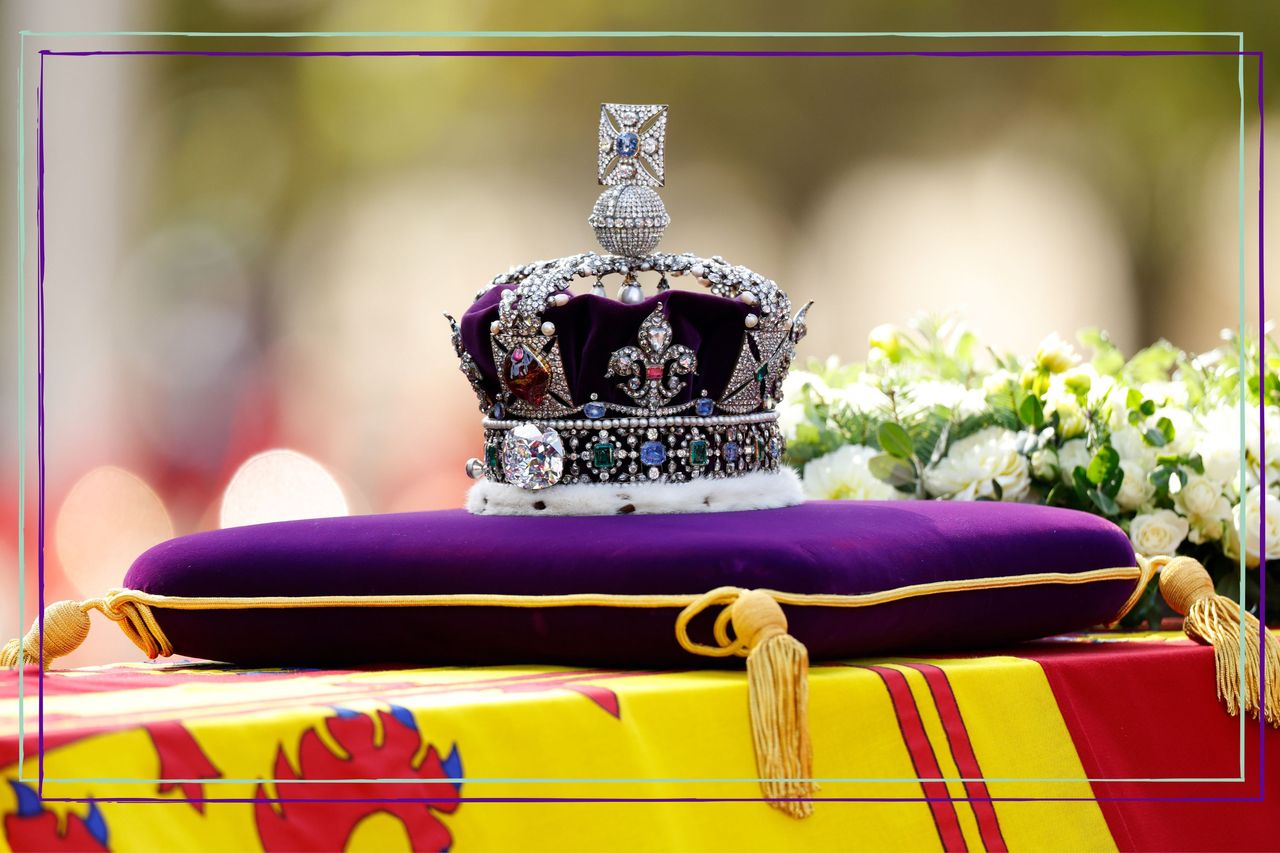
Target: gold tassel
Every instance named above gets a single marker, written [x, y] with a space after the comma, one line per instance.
[777, 683]
[66, 625]
[1216, 621]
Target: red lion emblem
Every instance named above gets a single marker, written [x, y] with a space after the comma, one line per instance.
[34, 828]
[315, 815]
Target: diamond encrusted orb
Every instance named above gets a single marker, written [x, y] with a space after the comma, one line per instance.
[629, 220]
[532, 457]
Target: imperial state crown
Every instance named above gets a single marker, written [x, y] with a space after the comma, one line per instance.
[673, 388]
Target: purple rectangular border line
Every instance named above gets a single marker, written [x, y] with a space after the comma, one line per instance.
[40, 275]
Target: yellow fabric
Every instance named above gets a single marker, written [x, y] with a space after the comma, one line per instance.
[542, 723]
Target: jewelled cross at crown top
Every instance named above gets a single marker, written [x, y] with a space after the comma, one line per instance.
[632, 143]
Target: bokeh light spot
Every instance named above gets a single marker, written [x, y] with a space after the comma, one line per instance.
[109, 517]
[281, 485]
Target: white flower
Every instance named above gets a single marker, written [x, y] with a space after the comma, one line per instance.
[860, 398]
[1253, 532]
[1165, 393]
[972, 463]
[1207, 509]
[1135, 489]
[843, 475]
[1129, 443]
[790, 416]
[797, 379]
[1074, 454]
[998, 381]
[1044, 463]
[1056, 355]
[922, 397]
[1159, 532]
[1062, 399]
[885, 341]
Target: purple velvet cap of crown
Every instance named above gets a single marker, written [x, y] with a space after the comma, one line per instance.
[818, 547]
[590, 328]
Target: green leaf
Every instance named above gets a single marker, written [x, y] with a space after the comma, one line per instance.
[806, 433]
[893, 471]
[1153, 363]
[1155, 438]
[1148, 408]
[1103, 465]
[1107, 360]
[1133, 399]
[1195, 463]
[1080, 479]
[1166, 429]
[894, 440]
[1104, 502]
[1031, 412]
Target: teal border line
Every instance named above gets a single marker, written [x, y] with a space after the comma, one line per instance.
[22, 390]
[562, 34]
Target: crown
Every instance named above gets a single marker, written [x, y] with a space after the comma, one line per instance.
[674, 387]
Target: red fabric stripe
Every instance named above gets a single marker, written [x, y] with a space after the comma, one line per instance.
[922, 758]
[1148, 710]
[962, 751]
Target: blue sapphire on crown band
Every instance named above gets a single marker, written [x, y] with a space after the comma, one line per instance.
[593, 410]
[653, 453]
[704, 406]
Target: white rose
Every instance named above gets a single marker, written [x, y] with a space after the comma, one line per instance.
[1159, 532]
[1199, 496]
[1131, 446]
[1135, 489]
[1254, 535]
[1185, 431]
[1044, 463]
[1207, 509]
[843, 475]
[972, 463]
[1074, 454]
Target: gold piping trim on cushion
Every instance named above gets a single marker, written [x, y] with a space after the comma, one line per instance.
[600, 599]
[1149, 566]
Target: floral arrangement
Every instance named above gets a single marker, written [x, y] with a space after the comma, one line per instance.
[1151, 442]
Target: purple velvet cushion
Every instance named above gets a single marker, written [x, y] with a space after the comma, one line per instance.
[819, 547]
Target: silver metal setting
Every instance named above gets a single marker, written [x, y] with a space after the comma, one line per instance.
[632, 145]
[632, 450]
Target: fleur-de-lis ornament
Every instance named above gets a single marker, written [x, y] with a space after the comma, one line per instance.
[653, 369]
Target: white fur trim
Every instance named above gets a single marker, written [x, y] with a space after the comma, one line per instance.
[757, 490]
